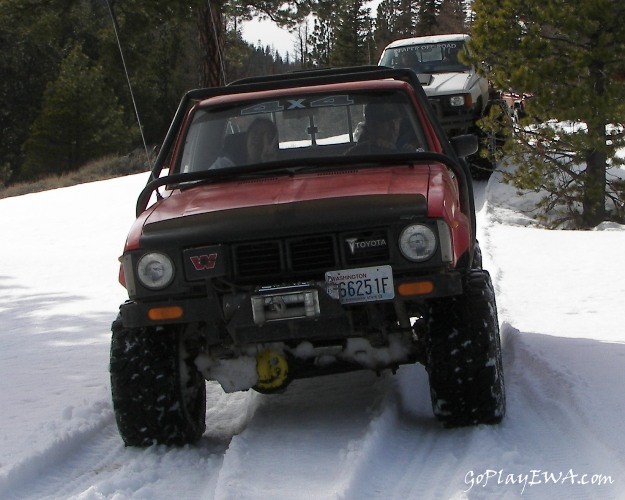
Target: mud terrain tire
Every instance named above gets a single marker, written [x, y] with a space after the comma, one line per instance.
[477, 256]
[463, 356]
[158, 396]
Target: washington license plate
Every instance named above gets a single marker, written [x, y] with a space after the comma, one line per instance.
[365, 284]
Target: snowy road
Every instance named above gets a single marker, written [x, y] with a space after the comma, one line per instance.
[354, 436]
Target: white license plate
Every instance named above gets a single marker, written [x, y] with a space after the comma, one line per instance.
[365, 284]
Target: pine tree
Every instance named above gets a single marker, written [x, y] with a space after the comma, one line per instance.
[426, 24]
[568, 56]
[32, 39]
[385, 20]
[406, 21]
[451, 17]
[352, 34]
[372, 55]
[212, 18]
[81, 119]
[321, 40]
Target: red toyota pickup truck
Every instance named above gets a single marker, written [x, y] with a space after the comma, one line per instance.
[300, 225]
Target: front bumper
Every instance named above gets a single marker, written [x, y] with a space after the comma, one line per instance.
[312, 312]
[454, 120]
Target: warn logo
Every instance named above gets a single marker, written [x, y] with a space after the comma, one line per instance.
[204, 262]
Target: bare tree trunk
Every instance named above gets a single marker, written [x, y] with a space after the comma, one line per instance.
[210, 22]
[593, 198]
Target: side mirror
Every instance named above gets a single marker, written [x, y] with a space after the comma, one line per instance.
[464, 145]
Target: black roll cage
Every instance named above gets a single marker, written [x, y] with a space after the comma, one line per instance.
[304, 79]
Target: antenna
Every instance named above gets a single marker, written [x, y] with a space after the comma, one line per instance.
[132, 96]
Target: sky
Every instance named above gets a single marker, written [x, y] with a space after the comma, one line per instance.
[268, 33]
[344, 437]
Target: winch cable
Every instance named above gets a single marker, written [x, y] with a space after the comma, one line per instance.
[132, 96]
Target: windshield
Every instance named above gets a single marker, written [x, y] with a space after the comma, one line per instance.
[426, 58]
[299, 128]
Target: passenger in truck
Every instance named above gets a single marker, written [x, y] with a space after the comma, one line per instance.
[262, 141]
[258, 145]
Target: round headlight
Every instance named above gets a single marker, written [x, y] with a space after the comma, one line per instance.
[417, 242]
[456, 100]
[155, 270]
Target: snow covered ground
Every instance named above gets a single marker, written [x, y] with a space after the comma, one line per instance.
[352, 436]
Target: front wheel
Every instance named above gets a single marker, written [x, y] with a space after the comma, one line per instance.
[463, 356]
[159, 397]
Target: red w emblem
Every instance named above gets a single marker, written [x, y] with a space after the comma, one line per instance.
[204, 262]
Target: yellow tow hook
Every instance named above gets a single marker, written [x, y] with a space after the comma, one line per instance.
[272, 369]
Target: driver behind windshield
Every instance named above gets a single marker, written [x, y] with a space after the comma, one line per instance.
[381, 131]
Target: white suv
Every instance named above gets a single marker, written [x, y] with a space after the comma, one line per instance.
[456, 91]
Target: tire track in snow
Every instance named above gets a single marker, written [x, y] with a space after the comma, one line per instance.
[103, 468]
[92, 462]
[27, 472]
[410, 455]
[547, 416]
[406, 454]
[303, 443]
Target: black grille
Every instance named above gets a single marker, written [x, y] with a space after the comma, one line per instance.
[312, 254]
[308, 256]
[444, 109]
[258, 259]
